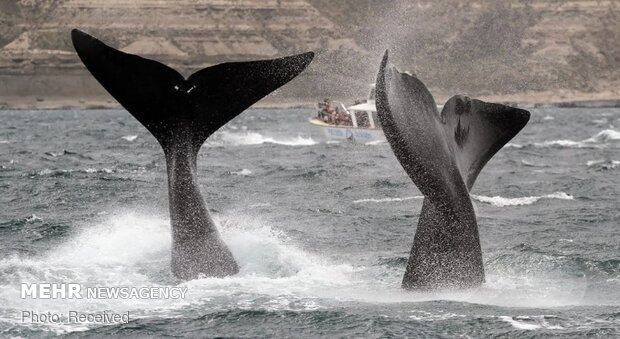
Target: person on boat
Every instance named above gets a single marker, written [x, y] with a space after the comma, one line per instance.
[331, 113]
[324, 108]
[344, 118]
[321, 110]
[337, 115]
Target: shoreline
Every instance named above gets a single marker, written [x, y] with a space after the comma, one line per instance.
[521, 100]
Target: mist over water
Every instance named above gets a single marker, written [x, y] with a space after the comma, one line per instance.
[321, 231]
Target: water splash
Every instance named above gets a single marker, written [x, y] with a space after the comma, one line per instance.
[130, 249]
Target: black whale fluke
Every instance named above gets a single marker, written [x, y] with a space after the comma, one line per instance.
[181, 114]
[442, 153]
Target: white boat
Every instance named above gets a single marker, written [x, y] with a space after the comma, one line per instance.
[359, 125]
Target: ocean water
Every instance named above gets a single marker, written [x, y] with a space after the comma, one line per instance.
[322, 231]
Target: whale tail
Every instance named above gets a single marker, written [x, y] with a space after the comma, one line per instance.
[443, 153]
[181, 114]
[172, 107]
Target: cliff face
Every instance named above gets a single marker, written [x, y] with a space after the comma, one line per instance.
[212, 30]
[480, 47]
[36, 52]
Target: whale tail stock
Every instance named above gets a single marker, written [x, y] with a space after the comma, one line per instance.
[181, 114]
[442, 153]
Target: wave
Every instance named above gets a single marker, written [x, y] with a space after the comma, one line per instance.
[243, 172]
[380, 200]
[254, 138]
[134, 250]
[386, 183]
[69, 153]
[495, 201]
[596, 141]
[532, 164]
[512, 145]
[608, 134]
[375, 142]
[94, 170]
[502, 202]
[130, 137]
[32, 219]
[604, 164]
[561, 143]
[530, 322]
[68, 172]
[276, 274]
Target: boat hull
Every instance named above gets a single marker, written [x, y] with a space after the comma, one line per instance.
[354, 134]
[346, 133]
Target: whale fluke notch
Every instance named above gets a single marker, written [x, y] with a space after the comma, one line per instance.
[181, 114]
[442, 153]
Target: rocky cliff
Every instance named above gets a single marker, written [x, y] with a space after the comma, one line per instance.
[520, 48]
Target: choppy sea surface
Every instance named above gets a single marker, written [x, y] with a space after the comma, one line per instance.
[321, 230]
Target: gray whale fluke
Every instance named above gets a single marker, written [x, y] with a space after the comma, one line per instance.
[443, 154]
[181, 114]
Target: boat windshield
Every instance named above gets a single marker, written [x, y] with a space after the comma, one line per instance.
[371, 95]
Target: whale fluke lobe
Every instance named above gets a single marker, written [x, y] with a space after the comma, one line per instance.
[181, 114]
[443, 153]
[163, 101]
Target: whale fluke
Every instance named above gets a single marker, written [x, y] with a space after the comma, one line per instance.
[442, 153]
[181, 114]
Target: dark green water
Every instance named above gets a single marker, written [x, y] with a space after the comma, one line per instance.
[321, 230]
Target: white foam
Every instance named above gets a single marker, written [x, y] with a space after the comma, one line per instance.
[130, 137]
[607, 164]
[243, 172]
[45, 171]
[502, 202]
[530, 323]
[254, 138]
[606, 135]
[512, 145]
[548, 118]
[374, 200]
[429, 316]
[596, 141]
[88, 170]
[33, 218]
[133, 250]
[561, 143]
[375, 142]
[130, 249]
[529, 163]
[520, 325]
[91, 170]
